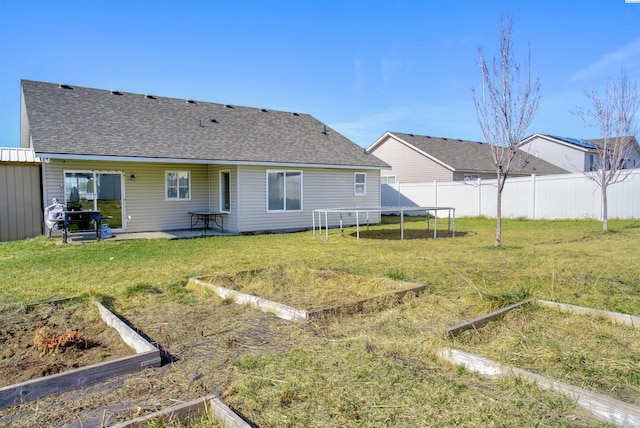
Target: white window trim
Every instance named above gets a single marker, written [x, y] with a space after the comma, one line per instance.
[386, 178]
[355, 184]
[166, 187]
[285, 171]
[222, 209]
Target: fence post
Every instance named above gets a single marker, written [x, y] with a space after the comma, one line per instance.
[435, 193]
[533, 196]
[479, 197]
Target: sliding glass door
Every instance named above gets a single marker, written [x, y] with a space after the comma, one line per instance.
[90, 190]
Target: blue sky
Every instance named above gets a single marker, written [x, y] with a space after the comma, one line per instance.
[362, 67]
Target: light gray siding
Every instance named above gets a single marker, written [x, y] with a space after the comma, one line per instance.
[322, 188]
[20, 201]
[231, 219]
[408, 165]
[145, 207]
[573, 159]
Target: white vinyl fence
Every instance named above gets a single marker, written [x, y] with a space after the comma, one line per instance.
[563, 196]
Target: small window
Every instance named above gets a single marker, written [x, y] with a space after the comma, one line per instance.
[388, 179]
[178, 185]
[360, 183]
[225, 186]
[284, 190]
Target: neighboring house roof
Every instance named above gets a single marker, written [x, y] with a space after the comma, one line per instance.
[17, 155]
[467, 156]
[580, 143]
[76, 122]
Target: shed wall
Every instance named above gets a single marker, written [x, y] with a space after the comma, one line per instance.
[20, 201]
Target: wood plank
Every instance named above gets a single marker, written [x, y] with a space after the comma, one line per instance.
[481, 320]
[630, 320]
[130, 336]
[34, 389]
[278, 309]
[602, 407]
[192, 409]
[359, 305]
[226, 415]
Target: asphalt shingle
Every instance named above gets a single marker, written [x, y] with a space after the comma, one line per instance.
[72, 120]
[473, 156]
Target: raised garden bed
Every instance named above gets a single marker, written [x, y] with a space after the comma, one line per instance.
[597, 355]
[296, 294]
[50, 349]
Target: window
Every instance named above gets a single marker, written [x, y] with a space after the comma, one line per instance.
[225, 199]
[360, 183]
[284, 190]
[388, 179]
[178, 185]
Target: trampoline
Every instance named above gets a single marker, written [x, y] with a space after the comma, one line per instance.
[362, 213]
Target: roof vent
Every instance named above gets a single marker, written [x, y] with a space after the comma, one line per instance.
[295, 114]
[150, 97]
[116, 92]
[427, 136]
[444, 139]
[214, 121]
[228, 106]
[190, 102]
[324, 131]
[63, 86]
[264, 110]
[411, 135]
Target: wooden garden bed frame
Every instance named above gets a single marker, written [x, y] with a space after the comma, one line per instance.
[289, 312]
[146, 355]
[601, 406]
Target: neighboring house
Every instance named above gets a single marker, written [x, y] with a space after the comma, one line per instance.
[572, 154]
[148, 161]
[418, 158]
[20, 196]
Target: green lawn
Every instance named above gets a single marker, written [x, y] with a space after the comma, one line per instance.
[379, 368]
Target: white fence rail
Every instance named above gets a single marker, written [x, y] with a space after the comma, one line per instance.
[564, 196]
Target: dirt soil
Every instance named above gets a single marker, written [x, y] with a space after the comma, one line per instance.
[199, 337]
[33, 341]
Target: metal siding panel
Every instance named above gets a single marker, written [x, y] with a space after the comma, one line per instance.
[4, 204]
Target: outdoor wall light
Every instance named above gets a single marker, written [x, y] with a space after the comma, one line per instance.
[132, 178]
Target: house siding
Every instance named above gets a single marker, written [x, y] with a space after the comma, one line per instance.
[322, 188]
[231, 219]
[145, 208]
[571, 159]
[408, 165]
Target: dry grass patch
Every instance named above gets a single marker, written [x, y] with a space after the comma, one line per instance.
[307, 288]
[589, 352]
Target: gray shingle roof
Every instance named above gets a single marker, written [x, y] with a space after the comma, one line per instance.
[473, 156]
[71, 120]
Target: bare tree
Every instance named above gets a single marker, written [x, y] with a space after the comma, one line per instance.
[614, 114]
[508, 104]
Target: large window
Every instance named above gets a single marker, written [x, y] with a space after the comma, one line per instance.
[178, 185]
[225, 186]
[360, 183]
[284, 190]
